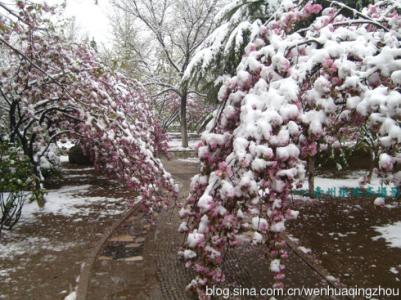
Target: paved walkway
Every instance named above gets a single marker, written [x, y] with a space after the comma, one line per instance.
[140, 261]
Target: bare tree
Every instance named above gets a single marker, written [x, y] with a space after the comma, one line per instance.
[130, 47]
[178, 28]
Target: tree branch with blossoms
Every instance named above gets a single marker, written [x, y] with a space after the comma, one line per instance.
[60, 89]
[292, 96]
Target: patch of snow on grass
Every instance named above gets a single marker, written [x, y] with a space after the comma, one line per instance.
[67, 201]
[304, 249]
[348, 182]
[342, 235]
[192, 160]
[70, 176]
[5, 273]
[64, 159]
[331, 278]
[31, 246]
[293, 239]
[379, 201]
[176, 145]
[65, 145]
[391, 233]
[78, 169]
[394, 270]
[71, 296]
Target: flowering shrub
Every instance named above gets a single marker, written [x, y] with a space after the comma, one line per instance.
[16, 171]
[310, 76]
[56, 89]
[16, 180]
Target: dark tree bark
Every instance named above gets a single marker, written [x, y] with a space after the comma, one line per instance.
[311, 176]
[184, 123]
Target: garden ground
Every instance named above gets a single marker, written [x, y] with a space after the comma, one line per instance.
[42, 257]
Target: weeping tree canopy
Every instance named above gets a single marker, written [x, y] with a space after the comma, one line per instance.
[312, 74]
[54, 88]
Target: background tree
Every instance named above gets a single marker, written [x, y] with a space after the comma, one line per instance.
[131, 47]
[177, 29]
[221, 52]
[168, 108]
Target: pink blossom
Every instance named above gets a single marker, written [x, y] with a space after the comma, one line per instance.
[311, 9]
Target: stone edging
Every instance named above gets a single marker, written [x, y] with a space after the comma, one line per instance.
[319, 269]
[86, 269]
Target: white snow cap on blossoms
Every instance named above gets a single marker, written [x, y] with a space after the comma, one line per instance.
[285, 153]
[386, 162]
[259, 224]
[257, 238]
[292, 214]
[189, 254]
[275, 265]
[205, 202]
[278, 227]
[183, 227]
[203, 225]
[379, 202]
[194, 239]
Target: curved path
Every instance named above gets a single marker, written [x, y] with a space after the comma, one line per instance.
[138, 261]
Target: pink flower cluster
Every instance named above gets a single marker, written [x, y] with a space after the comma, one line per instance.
[312, 9]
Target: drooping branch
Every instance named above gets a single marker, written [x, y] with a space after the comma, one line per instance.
[73, 94]
[277, 112]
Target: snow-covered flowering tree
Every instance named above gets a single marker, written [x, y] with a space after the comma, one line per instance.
[239, 22]
[55, 88]
[221, 52]
[310, 76]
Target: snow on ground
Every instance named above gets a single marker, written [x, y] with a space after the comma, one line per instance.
[175, 145]
[333, 186]
[71, 170]
[341, 235]
[70, 176]
[325, 183]
[67, 201]
[64, 159]
[391, 233]
[304, 249]
[331, 278]
[292, 238]
[29, 245]
[192, 160]
[71, 296]
[65, 145]
[5, 274]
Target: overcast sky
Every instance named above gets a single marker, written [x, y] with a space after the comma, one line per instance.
[91, 19]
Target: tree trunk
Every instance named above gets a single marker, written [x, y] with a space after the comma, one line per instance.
[311, 176]
[183, 113]
[38, 173]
